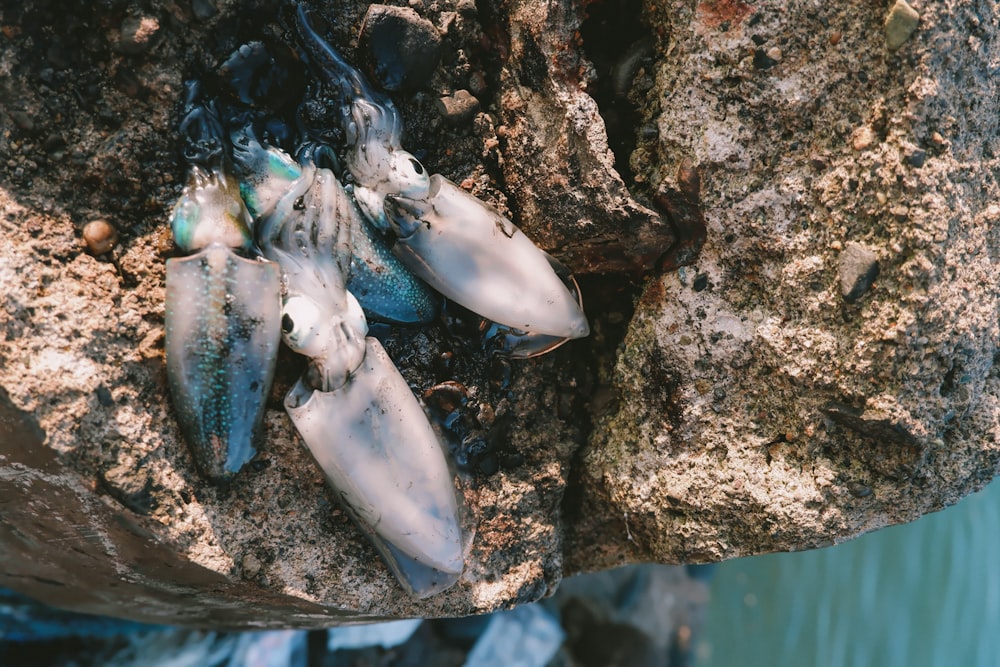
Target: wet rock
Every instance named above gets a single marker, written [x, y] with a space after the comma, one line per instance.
[402, 48]
[203, 9]
[458, 108]
[858, 268]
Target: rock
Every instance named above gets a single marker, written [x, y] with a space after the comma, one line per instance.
[203, 9]
[858, 268]
[862, 138]
[900, 24]
[559, 170]
[916, 158]
[638, 615]
[402, 48]
[138, 34]
[830, 421]
[458, 108]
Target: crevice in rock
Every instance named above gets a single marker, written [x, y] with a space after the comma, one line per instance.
[614, 298]
[618, 41]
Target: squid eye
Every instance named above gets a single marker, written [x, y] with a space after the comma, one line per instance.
[417, 167]
[300, 324]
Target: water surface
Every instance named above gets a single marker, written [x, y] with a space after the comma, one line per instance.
[923, 594]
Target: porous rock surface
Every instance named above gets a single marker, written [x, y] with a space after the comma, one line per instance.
[764, 402]
[746, 406]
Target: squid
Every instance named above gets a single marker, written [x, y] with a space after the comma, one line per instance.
[288, 249]
[223, 324]
[354, 411]
[459, 245]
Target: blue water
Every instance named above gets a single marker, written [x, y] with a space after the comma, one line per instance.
[923, 594]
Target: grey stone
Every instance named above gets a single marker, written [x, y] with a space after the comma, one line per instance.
[402, 48]
[858, 268]
[203, 9]
[527, 636]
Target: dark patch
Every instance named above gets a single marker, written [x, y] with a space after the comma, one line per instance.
[763, 61]
[131, 488]
[594, 359]
[917, 158]
[18, 428]
[618, 41]
[682, 205]
[887, 447]
[534, 69]
[104, 396]
[594, 640]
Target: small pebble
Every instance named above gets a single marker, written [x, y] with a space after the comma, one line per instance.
[761, 60]
[477, 83]
[862, 138]
[458, 108]
[917, 158]
[138, 34]
[858, 269]
[251, 566]
[402, 49]
[900, 24]
[23, 120]
[859, 490]
[104, 396]
[203, 9]
[99, 236]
